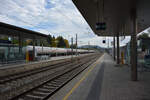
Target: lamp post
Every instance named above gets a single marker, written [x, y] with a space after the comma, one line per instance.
[76, 44]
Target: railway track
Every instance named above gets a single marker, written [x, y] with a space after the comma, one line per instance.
[40, 84]
[31, 72]
[9, 78]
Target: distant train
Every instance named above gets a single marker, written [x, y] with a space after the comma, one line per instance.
[10, 53]
[46, 52]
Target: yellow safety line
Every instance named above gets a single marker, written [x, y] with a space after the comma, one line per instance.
[79, 82]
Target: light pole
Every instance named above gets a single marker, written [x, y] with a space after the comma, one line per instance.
[72, 48]
[76, 44]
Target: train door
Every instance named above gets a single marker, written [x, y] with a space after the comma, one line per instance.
[30, 55]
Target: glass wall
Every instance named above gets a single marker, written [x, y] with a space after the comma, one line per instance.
[11, 53]
[127, 54]
[144, 54]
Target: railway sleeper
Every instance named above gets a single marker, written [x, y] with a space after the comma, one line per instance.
[46, 90]
[40, 93]
[65, 76]
[32, 97]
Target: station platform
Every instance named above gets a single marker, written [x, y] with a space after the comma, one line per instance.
[12, 65]
[12, 69]
[104, 81]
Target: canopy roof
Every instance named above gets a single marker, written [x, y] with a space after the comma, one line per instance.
[116, 14]
[11, 30]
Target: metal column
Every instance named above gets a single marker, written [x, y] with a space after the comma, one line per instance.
[118, 50]
[114, 48]
[76, 44]
[20, 44]
[72, 48]
[133, 56]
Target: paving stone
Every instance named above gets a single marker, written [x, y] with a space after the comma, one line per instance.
[117, 84]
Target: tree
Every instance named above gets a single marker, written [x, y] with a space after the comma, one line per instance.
[54, 44]
[148, 30]
[61, 42]
[144, 41]
[49, 39]
[5, 38]
[66, 43]
[15, 41]
[45, 43]
[73, 46]
[143, 35]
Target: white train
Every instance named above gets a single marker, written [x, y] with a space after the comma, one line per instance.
[11, 52]
[52, 51]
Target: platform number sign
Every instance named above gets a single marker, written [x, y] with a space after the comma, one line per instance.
[101, 26]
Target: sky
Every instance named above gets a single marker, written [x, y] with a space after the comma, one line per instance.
[55, 17]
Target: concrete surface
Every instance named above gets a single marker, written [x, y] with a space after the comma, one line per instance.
[13, 65]
[19, 68]
[83, 90]
[105, 82]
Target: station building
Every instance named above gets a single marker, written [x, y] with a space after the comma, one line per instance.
[13, 42]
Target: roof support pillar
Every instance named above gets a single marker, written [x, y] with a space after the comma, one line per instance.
[114, 50]
[20, 44]
[38, 42]
[133, 56]
[118, 50]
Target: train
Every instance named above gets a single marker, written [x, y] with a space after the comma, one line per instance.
[12, 53]
[47, 52]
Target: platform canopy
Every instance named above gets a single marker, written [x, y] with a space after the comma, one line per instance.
[116, 14]
[11, 30]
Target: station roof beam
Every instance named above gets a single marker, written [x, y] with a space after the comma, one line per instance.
[116, 14]
[11, 30]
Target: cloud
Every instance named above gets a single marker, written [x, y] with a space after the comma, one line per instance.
[55, 17]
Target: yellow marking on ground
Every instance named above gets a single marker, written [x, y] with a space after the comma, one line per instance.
[80, 81]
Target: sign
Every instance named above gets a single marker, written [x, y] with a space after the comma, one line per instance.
[5, 41]
[101, 26]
